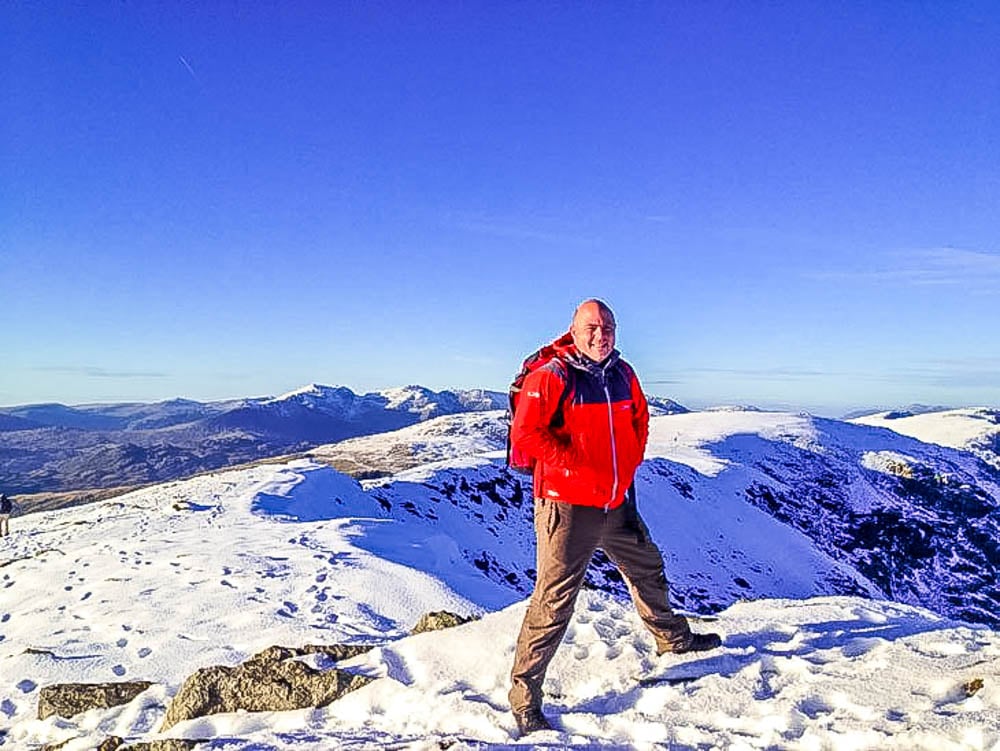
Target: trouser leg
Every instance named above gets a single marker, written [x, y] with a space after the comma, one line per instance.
[566, 537]
[629, 546]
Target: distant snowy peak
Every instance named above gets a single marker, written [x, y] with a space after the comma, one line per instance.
[661, 405]
[974, 429]
[311, 391]
[907, 411]
[427, 403]
[417, 400]
[315, 396]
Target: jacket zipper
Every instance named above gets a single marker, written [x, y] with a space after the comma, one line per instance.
[614, 449]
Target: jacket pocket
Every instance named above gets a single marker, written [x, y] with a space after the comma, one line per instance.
[552, 519]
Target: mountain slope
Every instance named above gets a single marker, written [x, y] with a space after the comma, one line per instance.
[975, 430]
[155, 584]
[919, 521]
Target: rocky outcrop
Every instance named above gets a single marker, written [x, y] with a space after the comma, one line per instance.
[165, 744]
[270, 681]
[69, 699]
[117, 743]
[437, 620]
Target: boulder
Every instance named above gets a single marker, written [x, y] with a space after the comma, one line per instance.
[116, 743]
[69, 699]
[270, 681]
[437, 620]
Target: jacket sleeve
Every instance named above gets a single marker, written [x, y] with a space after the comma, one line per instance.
[640, 414]
[531, 431]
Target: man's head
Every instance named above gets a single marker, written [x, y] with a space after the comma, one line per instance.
[593, 329]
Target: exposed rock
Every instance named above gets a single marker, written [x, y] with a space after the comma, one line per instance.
[69, 699]
[972, 687]
[166, 744]
[270, 681]
[437, 620]
[116, 743]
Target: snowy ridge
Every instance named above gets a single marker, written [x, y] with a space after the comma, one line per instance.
[975, 429]
[902, 530]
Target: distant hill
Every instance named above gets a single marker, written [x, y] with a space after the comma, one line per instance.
[54, 447]
[976, 430]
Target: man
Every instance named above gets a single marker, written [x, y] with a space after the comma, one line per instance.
[587, 444]
[6, 509]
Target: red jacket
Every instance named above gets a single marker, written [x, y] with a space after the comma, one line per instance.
[591, 457]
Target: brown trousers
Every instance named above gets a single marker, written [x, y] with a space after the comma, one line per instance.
[567, 537]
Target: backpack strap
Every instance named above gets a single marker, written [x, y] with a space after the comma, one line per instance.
[558, 418]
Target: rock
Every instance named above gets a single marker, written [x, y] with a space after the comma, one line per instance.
[270, 681]
[437, 620]
[69, 699]
[115, 743]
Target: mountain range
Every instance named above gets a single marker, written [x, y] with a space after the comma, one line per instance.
[53, 447]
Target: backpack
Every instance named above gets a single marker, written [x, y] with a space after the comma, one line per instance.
[517, 460]
[6, 505]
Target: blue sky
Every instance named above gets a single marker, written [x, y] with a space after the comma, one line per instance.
[791, 205]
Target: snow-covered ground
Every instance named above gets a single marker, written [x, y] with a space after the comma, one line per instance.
[974, 429]
[155, 584]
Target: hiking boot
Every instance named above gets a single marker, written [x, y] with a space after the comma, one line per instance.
[531, 721]
[698, 643]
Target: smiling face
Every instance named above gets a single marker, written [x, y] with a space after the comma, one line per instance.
[593, 330]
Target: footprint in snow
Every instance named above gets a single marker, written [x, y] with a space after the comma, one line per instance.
[118, 670]
[4, 618]
[145, 652]
[27, 686]
[121, 643]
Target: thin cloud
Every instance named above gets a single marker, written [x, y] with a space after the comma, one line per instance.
[955, 373]
[94, 372]
[777, 373]
[190, 70]
[931, 267]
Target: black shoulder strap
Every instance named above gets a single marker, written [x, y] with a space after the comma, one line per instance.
[558, 419]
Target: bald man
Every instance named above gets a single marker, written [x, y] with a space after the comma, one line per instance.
[586, 452]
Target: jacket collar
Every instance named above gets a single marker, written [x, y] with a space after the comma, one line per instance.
[567, 351]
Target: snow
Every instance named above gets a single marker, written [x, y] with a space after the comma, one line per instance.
[686, 438]
[969, 429]
[157, 583]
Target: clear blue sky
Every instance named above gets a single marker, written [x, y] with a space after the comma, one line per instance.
[792, 205]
